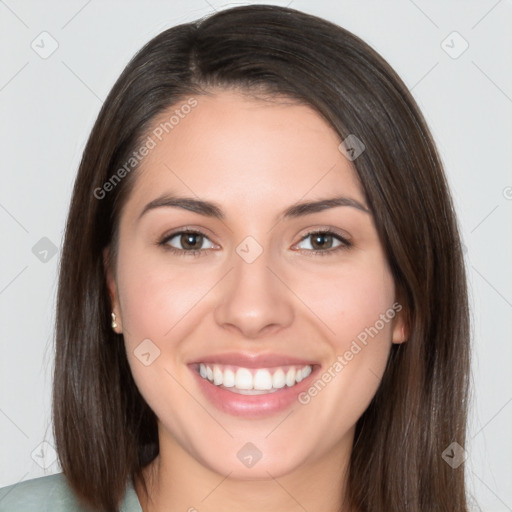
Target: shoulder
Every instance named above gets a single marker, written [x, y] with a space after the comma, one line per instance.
[53, 494]
[45, 493]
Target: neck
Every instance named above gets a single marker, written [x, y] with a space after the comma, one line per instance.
[177, 481]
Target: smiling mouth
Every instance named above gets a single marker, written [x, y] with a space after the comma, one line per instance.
[253, 381]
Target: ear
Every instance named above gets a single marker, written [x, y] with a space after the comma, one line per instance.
[400, 324]
[112, 290]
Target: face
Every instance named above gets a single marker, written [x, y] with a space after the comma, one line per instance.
[253, 330]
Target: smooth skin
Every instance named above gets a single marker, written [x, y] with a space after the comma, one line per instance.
[253, 158]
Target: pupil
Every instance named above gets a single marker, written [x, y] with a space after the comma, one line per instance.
[320, 240]
[188, 240]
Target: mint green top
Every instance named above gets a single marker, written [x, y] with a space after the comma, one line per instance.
[53, 494]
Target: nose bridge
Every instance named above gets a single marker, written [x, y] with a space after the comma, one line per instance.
[253, 298]
[251, 274]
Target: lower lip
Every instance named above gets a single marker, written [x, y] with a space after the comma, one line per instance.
[252, 406]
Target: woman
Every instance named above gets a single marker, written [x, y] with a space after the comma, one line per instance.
[262, 299]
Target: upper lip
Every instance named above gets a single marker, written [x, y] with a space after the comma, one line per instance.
[247, 360]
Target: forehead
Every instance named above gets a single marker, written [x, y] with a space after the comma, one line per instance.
[240, 151]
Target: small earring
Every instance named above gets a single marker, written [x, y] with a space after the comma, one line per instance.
[114, 323]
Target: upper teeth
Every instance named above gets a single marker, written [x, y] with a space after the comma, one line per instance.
[258, 379]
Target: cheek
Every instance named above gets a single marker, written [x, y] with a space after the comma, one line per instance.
[357, 306]
[155, 298]
[349, 300]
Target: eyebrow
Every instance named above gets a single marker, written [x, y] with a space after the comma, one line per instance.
[211, 209]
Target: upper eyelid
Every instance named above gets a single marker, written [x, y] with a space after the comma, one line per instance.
[330, 231]
[185, 230]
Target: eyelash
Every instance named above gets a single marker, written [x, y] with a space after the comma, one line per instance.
[345, 244]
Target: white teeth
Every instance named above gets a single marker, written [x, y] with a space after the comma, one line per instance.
[217, 375]
[278, 379]
[243, 379]
[254, 381]
[290, 377]
[262, 380]
[229, 378]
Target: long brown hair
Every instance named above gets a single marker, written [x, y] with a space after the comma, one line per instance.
[105, 432]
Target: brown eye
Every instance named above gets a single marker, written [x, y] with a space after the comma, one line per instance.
[186, 242]
[191, 241]
[321, 241]
[324, 242]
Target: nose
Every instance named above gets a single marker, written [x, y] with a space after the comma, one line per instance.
[255, 300]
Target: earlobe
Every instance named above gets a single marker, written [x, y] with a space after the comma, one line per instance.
[112, 290]
[400, 331]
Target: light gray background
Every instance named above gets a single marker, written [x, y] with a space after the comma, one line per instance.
[48, 106]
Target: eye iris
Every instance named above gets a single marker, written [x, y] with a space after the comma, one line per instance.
[188, 239]
[318, 241]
